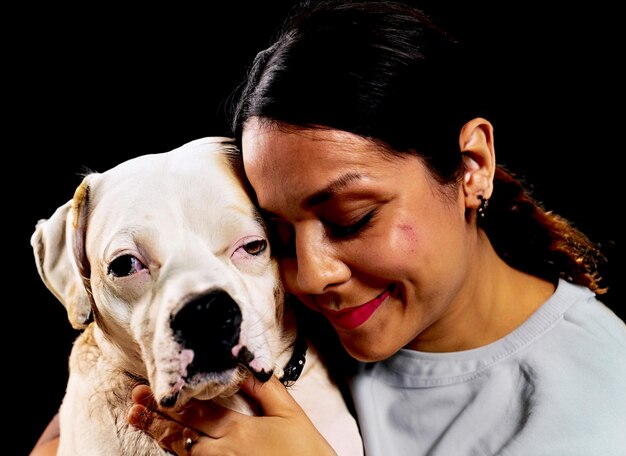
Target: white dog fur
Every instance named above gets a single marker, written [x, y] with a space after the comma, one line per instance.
[134, 246]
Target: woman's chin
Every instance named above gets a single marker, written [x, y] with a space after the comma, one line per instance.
[367, 352]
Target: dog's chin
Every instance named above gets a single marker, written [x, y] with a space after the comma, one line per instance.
[202, 386]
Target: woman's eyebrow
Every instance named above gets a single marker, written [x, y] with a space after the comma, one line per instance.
[331, 189]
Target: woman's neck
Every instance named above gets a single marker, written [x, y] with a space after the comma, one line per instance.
[495, 301]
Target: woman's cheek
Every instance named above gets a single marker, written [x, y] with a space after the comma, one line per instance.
[407, 238]
[289, 274]
[383, 256]
[401, 244]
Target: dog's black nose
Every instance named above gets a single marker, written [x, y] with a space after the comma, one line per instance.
[210, 326]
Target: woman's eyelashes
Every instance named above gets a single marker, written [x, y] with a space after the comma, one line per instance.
[346, 231]
[283, 235]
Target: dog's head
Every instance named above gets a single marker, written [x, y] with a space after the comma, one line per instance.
[169, 255]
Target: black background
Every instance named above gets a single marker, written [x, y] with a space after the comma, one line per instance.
[89, 89]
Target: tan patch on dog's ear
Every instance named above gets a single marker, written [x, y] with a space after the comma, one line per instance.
[55, 243]
[279, 299]
[80, 211]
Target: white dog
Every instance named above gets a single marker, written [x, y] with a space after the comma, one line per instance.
[167, 256]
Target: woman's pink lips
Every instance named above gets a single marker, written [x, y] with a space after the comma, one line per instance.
[354, 317]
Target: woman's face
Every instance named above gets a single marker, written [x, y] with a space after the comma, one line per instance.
[368, 239]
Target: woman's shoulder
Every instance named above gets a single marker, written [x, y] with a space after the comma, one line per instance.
[589, 318]
[584, 344]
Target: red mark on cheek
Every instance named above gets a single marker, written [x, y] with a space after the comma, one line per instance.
[408, 236]
[407, 231]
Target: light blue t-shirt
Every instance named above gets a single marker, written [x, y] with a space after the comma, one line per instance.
[554, 386]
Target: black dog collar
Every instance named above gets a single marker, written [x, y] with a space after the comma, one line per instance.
[294, 367]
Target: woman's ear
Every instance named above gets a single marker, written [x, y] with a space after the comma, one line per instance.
[476, 143]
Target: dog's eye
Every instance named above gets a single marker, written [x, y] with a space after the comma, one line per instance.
[255, 247]
[125, 265]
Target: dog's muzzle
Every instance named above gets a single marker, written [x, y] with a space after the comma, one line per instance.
[210, 326]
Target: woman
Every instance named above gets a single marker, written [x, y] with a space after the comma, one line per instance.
[472, 311]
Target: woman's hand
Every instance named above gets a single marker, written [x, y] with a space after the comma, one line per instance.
[206, 428]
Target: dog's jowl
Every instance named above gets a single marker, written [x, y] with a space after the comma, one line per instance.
[163, 263]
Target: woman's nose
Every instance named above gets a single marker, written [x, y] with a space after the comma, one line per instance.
[318, 265]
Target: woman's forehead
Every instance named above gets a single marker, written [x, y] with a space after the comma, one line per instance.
[269, 143]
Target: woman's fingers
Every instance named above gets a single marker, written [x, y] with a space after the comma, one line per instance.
[272, 396]
[206, 417]
[169, 434]
[142, 394]
[206, 428]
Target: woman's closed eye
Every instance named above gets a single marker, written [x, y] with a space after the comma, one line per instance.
[349, 230]
[282, 234]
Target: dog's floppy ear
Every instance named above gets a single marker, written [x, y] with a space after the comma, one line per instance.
[59, 247]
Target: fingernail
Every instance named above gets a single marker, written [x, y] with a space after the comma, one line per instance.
[141, 393]
[139, 416]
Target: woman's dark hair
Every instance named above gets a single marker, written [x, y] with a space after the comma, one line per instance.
[387, 72]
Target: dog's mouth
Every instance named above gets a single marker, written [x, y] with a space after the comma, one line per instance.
[204, 384]
[211, 360]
